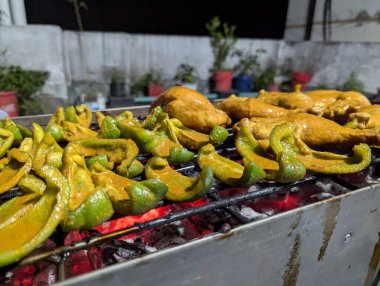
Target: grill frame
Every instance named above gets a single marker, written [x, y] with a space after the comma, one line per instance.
[161, 260]
[265, 252]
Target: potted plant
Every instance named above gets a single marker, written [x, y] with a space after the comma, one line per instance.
[17, 89]
[150, 84]
[117, 86]
[300, 78]
[353, 83]
[222, 42]
[266, 79]
[244, 69]
[187, 76]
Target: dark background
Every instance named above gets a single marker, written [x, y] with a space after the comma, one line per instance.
[254, 19]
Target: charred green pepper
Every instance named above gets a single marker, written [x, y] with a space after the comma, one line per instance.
[180, 187]
[229, 171]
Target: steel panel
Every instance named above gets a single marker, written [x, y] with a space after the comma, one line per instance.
[326, 243]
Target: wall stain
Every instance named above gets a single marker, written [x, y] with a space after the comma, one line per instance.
[295, 224]
[375, 259]
[329, 223]
[290, 276]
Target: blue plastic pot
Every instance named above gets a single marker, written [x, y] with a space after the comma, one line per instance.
[243, 83]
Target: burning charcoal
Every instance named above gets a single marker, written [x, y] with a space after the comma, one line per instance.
[120, 251]
[46, 277]
[78, 263]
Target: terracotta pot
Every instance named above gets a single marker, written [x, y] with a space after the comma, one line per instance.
[8, 104]
[155, 89]
[223, 81]
[301, 78]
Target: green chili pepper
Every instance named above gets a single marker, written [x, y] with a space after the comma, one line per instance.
[75, 131]
[229, 171]
[100, 159]
[180, 187]
[151, 120]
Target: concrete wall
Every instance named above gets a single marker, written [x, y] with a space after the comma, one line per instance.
[48, 48]
[353, 21]
[37, 48]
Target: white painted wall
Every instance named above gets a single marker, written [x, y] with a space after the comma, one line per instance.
[37, 48]
[48, 48]
[341, 10]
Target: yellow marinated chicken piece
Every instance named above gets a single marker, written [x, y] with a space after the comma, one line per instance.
[366, 117]
[241, 107]
[332, 104]
[313, 130]
[192, 108]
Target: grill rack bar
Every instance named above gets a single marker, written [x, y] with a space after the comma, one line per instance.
[222, 203]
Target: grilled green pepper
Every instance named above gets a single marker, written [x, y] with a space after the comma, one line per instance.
[12, 127]
[75, 131]
[6, 141]
[31, 184]
[46, 150]
[100, 159]
[161, 141]
[79, 114]
[229, 171]
[284, 140]
[285, 169]
[19, 164]
[39, 220]
[95, 210]
[129, 197]
[109, 129]
[180, 187]
[56, 131]
[130, 170]
[57, 118]
[195, 140]
[151, 120]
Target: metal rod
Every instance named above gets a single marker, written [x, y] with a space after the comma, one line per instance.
[161, 221]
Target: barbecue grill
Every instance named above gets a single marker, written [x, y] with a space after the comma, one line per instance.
[322, 230]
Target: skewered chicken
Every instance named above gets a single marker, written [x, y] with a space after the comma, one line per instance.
[240, 107]
[313, 130]
[332, 104]
[192, 108]
[367, 117]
